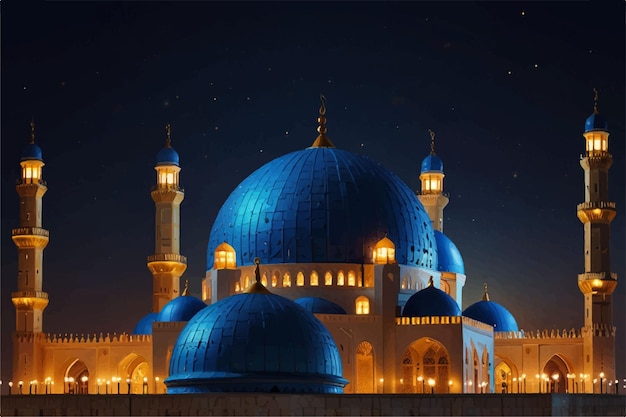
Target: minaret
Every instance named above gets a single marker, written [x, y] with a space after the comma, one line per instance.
[167, 264]
[30, 239]
[432, 196]
[597, 283]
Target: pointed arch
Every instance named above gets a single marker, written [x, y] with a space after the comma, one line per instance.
[365, 367]
[351, 279]
[557, 369]
[134, 368]
[340, 278]
[275, 279]
[424, 359]
[300, 279]
[315, 279]
[328, 278]
[506, 376]
[74, 376]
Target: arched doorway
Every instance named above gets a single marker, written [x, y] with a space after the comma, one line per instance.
[425, 360]
[556, 370]
[506, 378]
[365, 368]
[76, 378]
[134, 370]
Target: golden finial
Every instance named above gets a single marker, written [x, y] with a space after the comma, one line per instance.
[432, 141]
[186, 290]
[32, 130]
[322, 140]
[168, 140]
[431, 283]
[257, 286]
[485, 294]
[595, 101]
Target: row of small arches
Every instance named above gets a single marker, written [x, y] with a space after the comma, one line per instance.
[349, 279]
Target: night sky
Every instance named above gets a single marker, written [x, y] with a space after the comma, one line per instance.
[506, 87]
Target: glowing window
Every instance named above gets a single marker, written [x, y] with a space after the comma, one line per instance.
[384, 252]
[246, 282]
[170, 178]
[314, 279]
[237, 287]
[351, 279]
[340, 278]
[162, 177]
[286, 280]
[224, 257]
[300, 279]
[362, 305]
[29, 172]
[264, 280]
[328, 278]
[275, 279]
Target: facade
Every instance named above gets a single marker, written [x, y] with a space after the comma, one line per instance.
[329, 241]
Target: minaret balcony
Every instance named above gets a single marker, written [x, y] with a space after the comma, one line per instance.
[597, 282]
[596, 211]
[167, 263]
[171, 257]
[30, 237]
[28, 300]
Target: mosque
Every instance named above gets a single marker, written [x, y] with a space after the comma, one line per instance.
[325, 273]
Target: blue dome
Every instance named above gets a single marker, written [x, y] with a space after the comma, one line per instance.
[322, 205]
[430, 301]
[432, 163]
[448, 255]
[31, 151]
[167, 156]
[181, 308]
[144, 326]
[318, 305]
[255, 342]
[493, 314]
[596, 122]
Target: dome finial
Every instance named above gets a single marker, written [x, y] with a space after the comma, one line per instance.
[186, 290]
[595, 101]
[257, 286]
[485, 294]
[32, 130]
[432, 141]
[322, 140]
[431, 283]
[168, 140]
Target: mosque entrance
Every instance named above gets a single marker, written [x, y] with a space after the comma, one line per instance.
[135, 369]
[506, 378]
[556, 371]
[364, 368]
[76, 378]
[425, 367]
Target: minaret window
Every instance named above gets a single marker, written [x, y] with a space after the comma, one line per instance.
[300, 279]
[340, 278]
[224, 257]
[31, 172]
[597, 141]
[314, 279]
[384, 252]
[328, 278]
[286, 280]
[264, 280]
[362, 305]
[275, 279]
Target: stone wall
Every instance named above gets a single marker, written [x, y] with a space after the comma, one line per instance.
[311, 405]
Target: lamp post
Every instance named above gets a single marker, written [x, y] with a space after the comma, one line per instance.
[84, 380]
[601, 379]
[421, 379]
[107, 386]
[515, 382]
[538, 383]
[431, 383]
[470, 384]
[128, 383]
[595, 380]
[524, 382]
[99, 383]
[555, 377]
[156, 384]
[117, 379]
[145, 385]
[616, 386]
[10, 387]
[20, 385]
[449, 385]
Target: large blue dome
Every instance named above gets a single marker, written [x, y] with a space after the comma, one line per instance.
[144, 326]
[255, 342]
[430, 301]
[32, 151]
[167, 156]
[322, 205]
[492, 314]
[181, 308]
[432, 163]
[317, 305]
[448, 255]
[596, 122]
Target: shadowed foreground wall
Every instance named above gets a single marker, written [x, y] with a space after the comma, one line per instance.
[311, 405]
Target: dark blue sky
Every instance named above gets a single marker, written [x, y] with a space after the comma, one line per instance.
[505, 86]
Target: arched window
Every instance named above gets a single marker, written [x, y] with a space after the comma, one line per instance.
[365, 368]
[362, 305]
[300, 279]
[314, 279]
[286, 280]
[351, 279]
[384, 252]
[275, 279]
[328, 278]
[340, 278]
[237, 286]
[404, 285]
[224, 257]
[246, 282]
[264, 280]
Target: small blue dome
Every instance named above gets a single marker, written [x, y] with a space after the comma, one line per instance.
[322, 205]
[448, 255]
[167, 156]
[318, 305]
[596, 122]
[144, 326]
[181, 308]
[430, 301]
[493, 314]
[255, 342]
[432, 163]
[31, 151]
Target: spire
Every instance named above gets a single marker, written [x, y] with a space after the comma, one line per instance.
[485, 294]
[595, 101]
[322, 140]
[168, 140]
[186, 290]
[432, 142]
[32, 131]
[257, 287]
[431, 283]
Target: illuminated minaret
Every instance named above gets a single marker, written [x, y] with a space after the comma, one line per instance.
[167, 264]
[597, 283]
[432, 196]
[31, 239]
